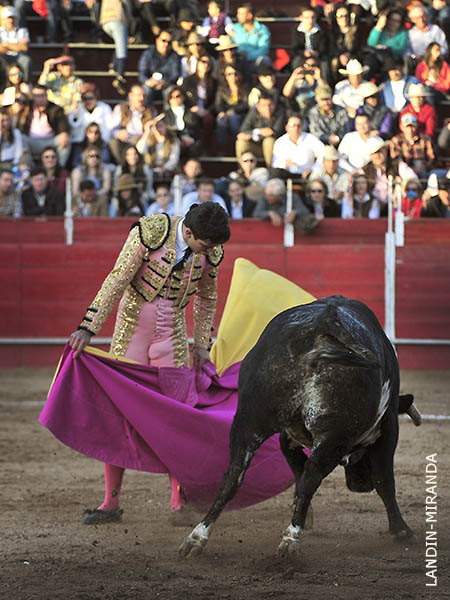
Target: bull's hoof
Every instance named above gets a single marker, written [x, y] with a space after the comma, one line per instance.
[195, 542]
[290, 542]
[404, 535]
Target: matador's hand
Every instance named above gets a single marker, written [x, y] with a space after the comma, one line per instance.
[79, 340]
[201, 356]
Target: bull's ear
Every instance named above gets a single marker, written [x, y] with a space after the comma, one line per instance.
[404, 402]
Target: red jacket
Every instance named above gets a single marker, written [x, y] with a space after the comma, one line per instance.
[442, 84]
[426, 118]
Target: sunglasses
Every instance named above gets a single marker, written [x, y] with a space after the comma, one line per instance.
[317, 191]
[53, 156]
[231, 74]
[88, 97]
[175, 96]
[93, 155]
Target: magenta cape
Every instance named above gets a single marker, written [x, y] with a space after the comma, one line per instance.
[159, 420]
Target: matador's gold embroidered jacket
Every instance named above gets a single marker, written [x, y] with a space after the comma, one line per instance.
[145, 263]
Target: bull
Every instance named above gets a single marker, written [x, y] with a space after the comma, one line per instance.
[325, 376]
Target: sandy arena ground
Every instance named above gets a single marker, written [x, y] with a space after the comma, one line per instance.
[45, 553]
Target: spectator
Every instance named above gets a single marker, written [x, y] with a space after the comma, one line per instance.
[185, 123]
[10, 205]
[128, 120]
[92, 169]
[200, 93]
[252, 177]
[22, 172]
[354, 146]
[204, 193]
[11, 144]
[439, 12]
[318, 201]
[380, 116]
[412, 199]
[266, 84]
[360, 203]
[14, 42]
[434, 72]
[260, 128]
[92, 137]
[133, 163]
[146, 14]
[20, 111]
[335, 177]
[347, 93]
[16, 80]
[41, 198]
[238, 205]
[163, 202]
[251, 36]
[195, 49]
[437, 205]
[160, 148]
[412, 147]
[443, 140]
[345, 41]
[394, 92]
[159, 67]
[94, 8]
[188, 179]
[217, 22]
[297, 152]
[56, 175]
[302, 84]
[45, 124]
[226, 51]
[389, 37]
[230, 106]
[327, 121]
[422, 110]
[186, 22]
[127, 201]
[422, 34]
[272, 206]
[378, 170]
[90, 110]
[309, 40]
[54, 12]
[114, 19]
[63, 88]
[89, 202]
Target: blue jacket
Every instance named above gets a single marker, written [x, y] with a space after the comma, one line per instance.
[256, 43]
[388, 94]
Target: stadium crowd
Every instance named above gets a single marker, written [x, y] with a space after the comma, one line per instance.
[360, 97]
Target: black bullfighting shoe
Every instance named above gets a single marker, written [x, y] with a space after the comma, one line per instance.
[99, 517]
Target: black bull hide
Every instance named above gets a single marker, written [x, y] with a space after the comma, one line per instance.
[325, 376]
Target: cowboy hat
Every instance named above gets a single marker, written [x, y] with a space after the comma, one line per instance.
[354, 67]
[417, 89]
[225, 43]
[331, 153]
[369, 89]
[194, 38]
[374, 144]
[126, 182]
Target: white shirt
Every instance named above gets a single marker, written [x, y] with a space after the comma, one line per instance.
[348, 209]
[347, 96]
[192, 198]
[354, 151]
[237, 210]
[398, 88]
[305, 153]
[101, 115]
[419, 40]
[180, 244]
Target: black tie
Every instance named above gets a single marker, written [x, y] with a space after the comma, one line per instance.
[180, 264]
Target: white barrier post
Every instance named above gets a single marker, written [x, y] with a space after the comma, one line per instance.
[68, 215]
[389, 271]
[288, 227]
[177, 199]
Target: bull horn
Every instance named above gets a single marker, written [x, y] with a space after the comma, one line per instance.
[415, 415]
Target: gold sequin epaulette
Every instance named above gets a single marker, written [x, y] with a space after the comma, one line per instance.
[215, 256]
[154, 230]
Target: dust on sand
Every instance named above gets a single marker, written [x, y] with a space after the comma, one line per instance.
[45, 553]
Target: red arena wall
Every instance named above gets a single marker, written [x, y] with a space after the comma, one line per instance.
[47, 285]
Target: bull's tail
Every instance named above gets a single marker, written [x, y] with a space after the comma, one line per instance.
[346, 357]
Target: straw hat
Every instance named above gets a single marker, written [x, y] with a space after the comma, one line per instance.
[331, 153]
[126, 182]
[417, 90]
[323, 92]
[354, 67]
[194, 38]
[225, 43]
[369, 89]
[374, 144]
